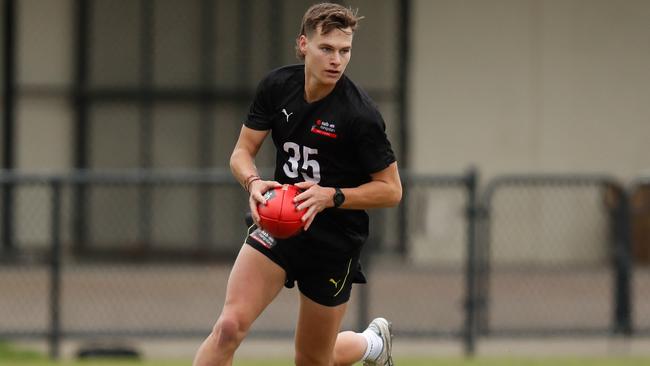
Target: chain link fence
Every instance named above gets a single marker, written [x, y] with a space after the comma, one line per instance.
[551, 257]
[157, 250]
[431, 274]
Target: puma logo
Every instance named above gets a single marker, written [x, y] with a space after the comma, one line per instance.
[286, 114]
[335, 283]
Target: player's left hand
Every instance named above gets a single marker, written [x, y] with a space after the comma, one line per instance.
[314, 199]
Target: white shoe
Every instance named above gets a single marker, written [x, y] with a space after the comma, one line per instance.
[383, 328]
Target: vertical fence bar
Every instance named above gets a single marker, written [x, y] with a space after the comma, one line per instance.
[145, 193]
[245, 35]
[623, 266]
[276, 33]
[55, 270]
[363, 308]
[404, 12]
[483, 263]
[81, 124]
[469, 333]
[373, 245]
[206, 124]
[8, 121]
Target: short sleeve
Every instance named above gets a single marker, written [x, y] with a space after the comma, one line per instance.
[373, 148]
[260, 111]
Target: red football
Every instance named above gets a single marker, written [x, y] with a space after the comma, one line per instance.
[279, 217]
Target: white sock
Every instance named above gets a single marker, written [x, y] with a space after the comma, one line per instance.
[375, 344]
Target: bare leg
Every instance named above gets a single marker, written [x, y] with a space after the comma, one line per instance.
[317, 339]
[316, 332]
[254, 282]
[349, 348]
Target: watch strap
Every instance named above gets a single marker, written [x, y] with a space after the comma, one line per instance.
[338, 198]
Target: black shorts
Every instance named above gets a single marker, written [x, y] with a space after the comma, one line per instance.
[324, 273]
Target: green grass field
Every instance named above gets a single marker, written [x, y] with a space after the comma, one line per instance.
[11, 356]
[399, 362]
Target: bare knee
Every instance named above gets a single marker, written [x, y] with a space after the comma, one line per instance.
[228, 332]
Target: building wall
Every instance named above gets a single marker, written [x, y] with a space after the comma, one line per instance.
[505, 85]
[531, 86]
[44, 136]
[44, 73]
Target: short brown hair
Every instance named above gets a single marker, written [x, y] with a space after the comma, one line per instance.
[328, 16]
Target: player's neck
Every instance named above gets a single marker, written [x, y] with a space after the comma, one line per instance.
[315, 91]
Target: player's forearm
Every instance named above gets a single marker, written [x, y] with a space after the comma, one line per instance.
[242, 160]
[242, 166]
[384, 190]
[374, 194]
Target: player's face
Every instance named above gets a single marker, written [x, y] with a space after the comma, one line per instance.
[327, 55]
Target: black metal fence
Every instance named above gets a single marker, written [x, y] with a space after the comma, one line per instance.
[113, 285]
[639, 237]
[547, 239]
[533, 255]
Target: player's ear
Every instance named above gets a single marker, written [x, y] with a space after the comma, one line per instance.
[302, 43]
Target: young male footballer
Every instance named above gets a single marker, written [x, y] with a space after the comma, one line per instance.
[331, 142]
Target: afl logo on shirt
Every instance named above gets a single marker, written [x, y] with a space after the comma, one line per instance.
[324, 128]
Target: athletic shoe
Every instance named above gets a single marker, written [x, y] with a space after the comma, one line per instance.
[383, 328]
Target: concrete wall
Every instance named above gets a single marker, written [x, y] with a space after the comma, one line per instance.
[531, 86]
[44, 136]
[44, 62]
[506, 85]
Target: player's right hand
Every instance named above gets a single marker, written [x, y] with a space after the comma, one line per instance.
[257, 189]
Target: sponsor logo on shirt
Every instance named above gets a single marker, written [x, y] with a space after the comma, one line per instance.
[324, 128]
[287, 114]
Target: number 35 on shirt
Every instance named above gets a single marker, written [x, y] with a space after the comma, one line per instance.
[301, 158]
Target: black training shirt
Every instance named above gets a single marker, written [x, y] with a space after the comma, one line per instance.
[337, 141]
